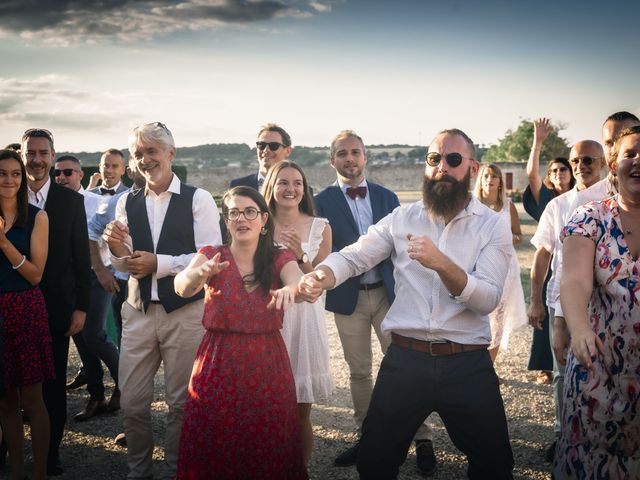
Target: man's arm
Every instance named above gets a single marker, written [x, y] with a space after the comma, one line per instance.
[537, 309]
[104, 275]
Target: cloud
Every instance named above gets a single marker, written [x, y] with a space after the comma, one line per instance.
[68, 22]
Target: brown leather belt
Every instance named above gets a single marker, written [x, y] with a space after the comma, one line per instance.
[434, 348]
[371, 286]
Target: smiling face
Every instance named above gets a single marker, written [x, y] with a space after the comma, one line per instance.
[10, 177]
[627, 167]
[349, 160]
[37, 155]
[268, 157]
[587, 159]
[559, 175]
[73, 180]
[153, 161]
[111, 169]
[244, 231]
[289, 187]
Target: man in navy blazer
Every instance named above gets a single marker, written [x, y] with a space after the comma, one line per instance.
[351, 205]
[273, 146]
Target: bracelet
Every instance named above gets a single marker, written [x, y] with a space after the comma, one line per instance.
[24, 259]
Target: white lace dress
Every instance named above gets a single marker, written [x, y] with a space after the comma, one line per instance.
[305, 334]
[511, 312]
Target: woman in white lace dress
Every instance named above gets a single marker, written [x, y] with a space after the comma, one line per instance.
[304, 331]
[511, 311]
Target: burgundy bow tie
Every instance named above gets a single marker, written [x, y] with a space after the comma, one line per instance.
[354, 192]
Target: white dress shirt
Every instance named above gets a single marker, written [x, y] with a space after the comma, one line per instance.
[39, 198]
[477, 240]
[206, 229]
[362, 214]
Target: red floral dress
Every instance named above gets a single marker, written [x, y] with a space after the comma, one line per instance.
[240, 417]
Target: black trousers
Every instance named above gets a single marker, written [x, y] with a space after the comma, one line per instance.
[55, 394]
[463, 389]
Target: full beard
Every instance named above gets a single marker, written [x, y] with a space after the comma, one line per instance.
[445, 197]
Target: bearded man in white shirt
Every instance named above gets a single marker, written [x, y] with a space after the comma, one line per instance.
[450, 255]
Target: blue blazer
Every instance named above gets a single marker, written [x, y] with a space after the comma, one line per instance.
[248, 181]
[332, 205]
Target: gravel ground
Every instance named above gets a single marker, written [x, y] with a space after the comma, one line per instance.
[89, 451]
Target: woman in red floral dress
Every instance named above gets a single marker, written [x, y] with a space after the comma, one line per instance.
[240, 418]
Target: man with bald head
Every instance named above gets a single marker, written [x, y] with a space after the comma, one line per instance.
[587, 159]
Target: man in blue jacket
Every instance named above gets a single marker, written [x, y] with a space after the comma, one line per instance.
[351, 205]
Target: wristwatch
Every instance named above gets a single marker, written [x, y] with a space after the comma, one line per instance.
[303, 259]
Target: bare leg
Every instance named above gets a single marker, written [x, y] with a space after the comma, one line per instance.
[33, 405]
[306, 431]
[13, 432]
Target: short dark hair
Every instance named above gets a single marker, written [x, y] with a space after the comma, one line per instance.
[113, 151]
[37, 133]
[69, 158]
[622, 117]
[22, 214]
[272, 127]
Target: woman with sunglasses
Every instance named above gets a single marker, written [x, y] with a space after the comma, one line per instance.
[304, 331]
[240, 417]
[27, 354]
[600, 296]
[558, 180]
[511, 312]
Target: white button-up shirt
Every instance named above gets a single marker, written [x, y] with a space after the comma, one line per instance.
[477, 240]
[206, 229]
[555, 216]
[39, 198]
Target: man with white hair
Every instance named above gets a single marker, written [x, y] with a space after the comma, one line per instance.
[158, 229]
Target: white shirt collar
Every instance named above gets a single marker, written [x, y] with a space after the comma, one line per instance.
[174, 186]
[39, 198]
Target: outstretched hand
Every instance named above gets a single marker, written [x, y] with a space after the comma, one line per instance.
[310, 286]
[541, 129]
[282, 298]
[211, 267]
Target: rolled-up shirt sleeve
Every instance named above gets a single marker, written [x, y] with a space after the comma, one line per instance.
[485, 283]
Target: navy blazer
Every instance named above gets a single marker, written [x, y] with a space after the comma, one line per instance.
[332, 205]
[65, 280]
[248, 181]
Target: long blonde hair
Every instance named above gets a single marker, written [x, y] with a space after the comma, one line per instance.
[477, 190]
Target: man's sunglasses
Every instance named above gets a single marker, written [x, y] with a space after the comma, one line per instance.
[250, 213]
[67, 172]
[273, 146]
[453, 159]
[586, 160]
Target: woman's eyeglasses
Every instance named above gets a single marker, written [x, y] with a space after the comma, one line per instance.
[558, 170]
[250, 213]
[273, 146]
[67, 172]
[453, 159]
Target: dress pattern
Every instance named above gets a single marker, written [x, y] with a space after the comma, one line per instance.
[305, 334]
[240, 417]
[601, 427]
[26, 340]
[511, 312]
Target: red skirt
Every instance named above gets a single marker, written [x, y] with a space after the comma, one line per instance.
[240, 417]
[26, 341]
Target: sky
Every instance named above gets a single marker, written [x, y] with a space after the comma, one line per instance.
[214, 71]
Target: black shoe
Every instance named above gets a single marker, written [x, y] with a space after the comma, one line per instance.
[54, 467]
[93, 409]
[121, 440]
[79, 381]
[550, 452]
[3, 453]
[425, 458]
[348, 457]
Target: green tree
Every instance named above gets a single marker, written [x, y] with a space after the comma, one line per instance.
[516, 145]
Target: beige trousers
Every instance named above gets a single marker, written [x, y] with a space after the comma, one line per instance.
[355, 336]
[147, 340]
